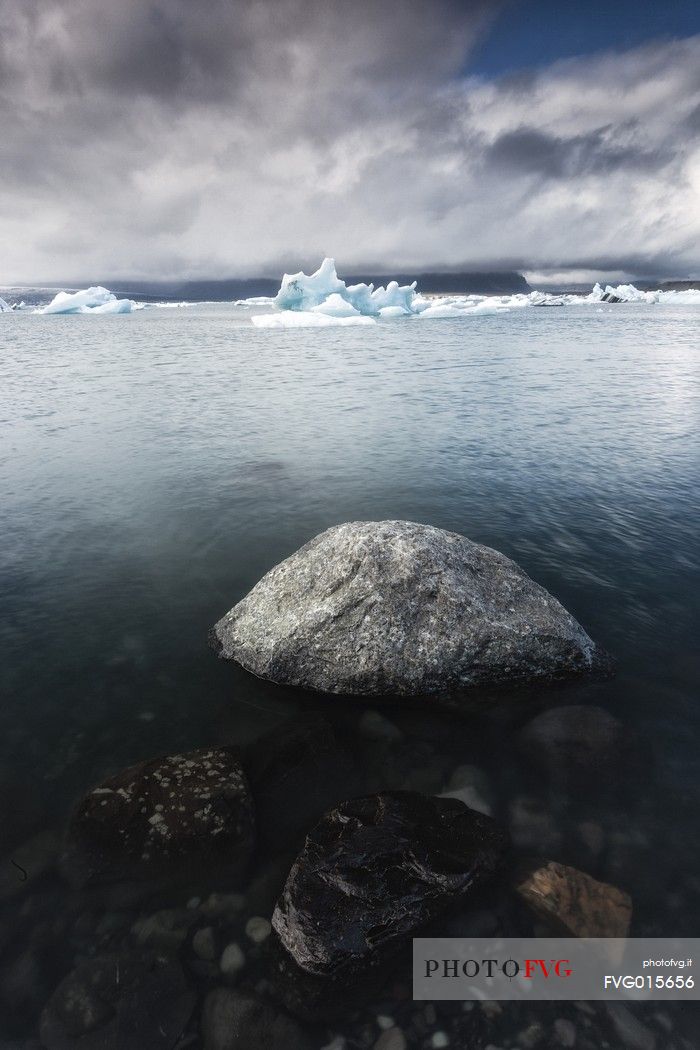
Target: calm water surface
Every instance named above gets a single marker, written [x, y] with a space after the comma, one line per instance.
[154, 466]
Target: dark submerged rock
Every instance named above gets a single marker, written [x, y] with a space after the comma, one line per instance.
[372, 873]
[235, 1020]
[573, 743]
[118, 1003]
[297, 771]
[397, 608]
[176, 816]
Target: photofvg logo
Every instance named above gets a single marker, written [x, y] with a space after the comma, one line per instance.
[530, 969]
[554, 968]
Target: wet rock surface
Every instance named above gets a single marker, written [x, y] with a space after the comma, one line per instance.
[398, 608]
[160, 816]
[371, 873]
[573, 903]
[118, 1003]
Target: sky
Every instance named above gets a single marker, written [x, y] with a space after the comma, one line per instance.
[170, 139]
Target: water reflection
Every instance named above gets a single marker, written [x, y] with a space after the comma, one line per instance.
[154, 467]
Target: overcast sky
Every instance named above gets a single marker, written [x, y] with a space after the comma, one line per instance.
[174, 138]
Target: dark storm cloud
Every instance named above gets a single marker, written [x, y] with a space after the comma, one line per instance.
[535, 152]
[168, 137]
[692, 121]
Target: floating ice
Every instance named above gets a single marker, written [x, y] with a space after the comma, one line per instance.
[88, 301]
[336, 306]
[324, 293]
[322, 299]
[454, 309]
[627, 293]
[307, 319]
[300, 291]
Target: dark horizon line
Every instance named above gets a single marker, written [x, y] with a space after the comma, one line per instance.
[429, 281]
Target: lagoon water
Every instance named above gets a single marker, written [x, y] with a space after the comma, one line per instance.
[154, 466]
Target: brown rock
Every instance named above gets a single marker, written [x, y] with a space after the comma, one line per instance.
[573, 903]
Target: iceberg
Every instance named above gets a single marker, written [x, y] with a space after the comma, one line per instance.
[4, 308]
[308, 319]
[96, 300]
[336, 306]
[452, 309]
[627, 293]
[307, 292]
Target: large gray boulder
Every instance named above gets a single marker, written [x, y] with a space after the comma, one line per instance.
[396, 608]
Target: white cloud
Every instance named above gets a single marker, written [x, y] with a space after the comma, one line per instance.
[195, 144]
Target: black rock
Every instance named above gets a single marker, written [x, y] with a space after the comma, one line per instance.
[297, 772]
[180, 815]
[118, 1003]
[371, 873]
[235, 1020]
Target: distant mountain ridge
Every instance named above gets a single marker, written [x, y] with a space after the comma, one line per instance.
[479, 283]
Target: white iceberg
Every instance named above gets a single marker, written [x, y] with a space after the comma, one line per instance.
[306, 292]
[4, 308]
[308, 319]
[627, 293]
[96, 300]
[492, 305]
[323, 293]
[336, 306]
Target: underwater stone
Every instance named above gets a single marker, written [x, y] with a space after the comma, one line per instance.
[371, 873]
[172, 815]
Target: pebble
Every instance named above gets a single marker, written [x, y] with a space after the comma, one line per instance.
[471, 797]
[440, 1040]
[564, 1032]
[664, 1021]
[232, 959]
[258, 929]
[631, 1032]
[375, 726]
[218, 904]
[204, 944]
[165, 930]
[338, 1042]
[385, 1022]
[531, 1036]
[392, 1039]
